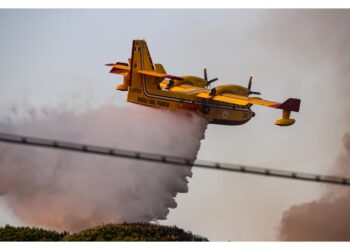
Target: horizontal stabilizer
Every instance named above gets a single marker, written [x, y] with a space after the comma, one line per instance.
[122, 87]
[119, 65]
[122, 63]
[160, 75]
[119, 68]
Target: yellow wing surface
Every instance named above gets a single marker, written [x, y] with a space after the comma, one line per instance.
[237, 99]
[186, 89]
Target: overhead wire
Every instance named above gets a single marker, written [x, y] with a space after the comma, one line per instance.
[171, 160]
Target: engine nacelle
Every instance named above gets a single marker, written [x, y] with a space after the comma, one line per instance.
[229, 88]
[191, 80]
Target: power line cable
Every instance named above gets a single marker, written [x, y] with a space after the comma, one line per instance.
[173, 160]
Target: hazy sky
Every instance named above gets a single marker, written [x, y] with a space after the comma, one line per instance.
[51, 58]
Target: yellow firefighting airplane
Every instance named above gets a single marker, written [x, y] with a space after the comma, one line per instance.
[227, 104]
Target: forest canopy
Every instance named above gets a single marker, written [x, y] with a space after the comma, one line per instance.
[108, 232]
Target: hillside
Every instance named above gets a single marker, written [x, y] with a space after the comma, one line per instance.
[9, 233]
[109, 232]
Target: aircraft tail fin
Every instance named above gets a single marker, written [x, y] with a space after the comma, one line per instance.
[143, 71]
[139, 62]
[140, 73]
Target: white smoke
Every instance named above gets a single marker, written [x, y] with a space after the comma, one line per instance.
[71, 191]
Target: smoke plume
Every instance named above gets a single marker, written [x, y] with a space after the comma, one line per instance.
[326, 219]
[72, 191]
[318, 40]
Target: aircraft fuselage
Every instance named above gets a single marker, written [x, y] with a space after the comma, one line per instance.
[216, 112]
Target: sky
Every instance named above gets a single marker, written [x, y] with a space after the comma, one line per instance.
[55, 58]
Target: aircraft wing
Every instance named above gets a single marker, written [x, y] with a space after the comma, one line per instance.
[293, 104]
[288, 106]
[186, 89]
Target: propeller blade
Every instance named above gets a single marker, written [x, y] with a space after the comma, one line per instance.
[206, 78]
[213, 80]
[250, 87]
[254, 93]
[250, 82]
[205, 74]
